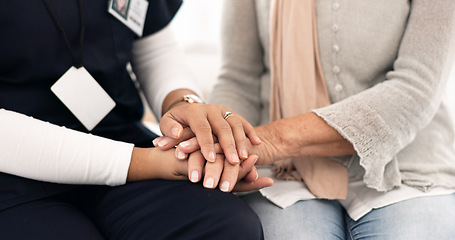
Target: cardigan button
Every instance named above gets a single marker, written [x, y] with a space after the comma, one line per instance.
[335, 6]
[336, 69]
[336, 48]
[338, 87]
[335, 28]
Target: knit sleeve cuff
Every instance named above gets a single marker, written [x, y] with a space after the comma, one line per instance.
[371, 138]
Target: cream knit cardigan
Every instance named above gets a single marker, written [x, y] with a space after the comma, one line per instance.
[386, 64]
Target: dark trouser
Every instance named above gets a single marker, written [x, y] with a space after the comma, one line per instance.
[154, 209]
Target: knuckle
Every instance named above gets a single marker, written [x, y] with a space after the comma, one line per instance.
[228, 145]
[212, 107]
[225, 128]
[240, 137]
[236, 124]
[202, 128]
[217, 106]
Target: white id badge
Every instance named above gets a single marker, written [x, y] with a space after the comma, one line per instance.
[132, 13]
[83, 96]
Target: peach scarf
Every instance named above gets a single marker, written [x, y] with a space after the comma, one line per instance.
[297, 87]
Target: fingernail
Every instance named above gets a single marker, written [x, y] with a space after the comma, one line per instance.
[244, 154]
[209, 183]
[257, 176]
[255, 159]
[162, 143]
[155, 142]
[184, 144]
[212, 157]
[235, 158]
[181, 155]
[194, 176]
[176, 132]
[225, 186]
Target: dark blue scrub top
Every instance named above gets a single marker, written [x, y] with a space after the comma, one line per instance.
[33, 56]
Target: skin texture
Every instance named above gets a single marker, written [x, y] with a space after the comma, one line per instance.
[301, 136]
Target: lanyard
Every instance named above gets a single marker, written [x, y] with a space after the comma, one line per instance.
[77, 61]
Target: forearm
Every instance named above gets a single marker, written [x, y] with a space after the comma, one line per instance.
[300, 136]
[152, 163]
[161, 68]
[140, 166]
[310, 135]
[42, 151]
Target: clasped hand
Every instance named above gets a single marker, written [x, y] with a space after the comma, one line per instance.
[220, 156]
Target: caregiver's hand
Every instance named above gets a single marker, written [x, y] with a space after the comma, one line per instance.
[228, 177]
[205, 121]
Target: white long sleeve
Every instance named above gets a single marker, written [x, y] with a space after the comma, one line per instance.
[39, 150]
[160, 66]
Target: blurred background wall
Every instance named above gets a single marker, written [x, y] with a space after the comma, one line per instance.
[197, 27]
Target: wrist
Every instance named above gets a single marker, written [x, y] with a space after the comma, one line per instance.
[282, 139]
[183, 98]
[271, 148]
[142, 165]
[307, 135]
[286, 138]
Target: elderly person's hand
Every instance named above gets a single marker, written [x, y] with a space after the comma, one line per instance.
[300, 136]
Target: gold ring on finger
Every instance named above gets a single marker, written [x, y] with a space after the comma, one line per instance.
[227, 115]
